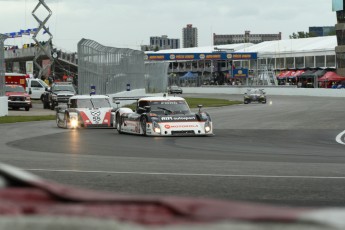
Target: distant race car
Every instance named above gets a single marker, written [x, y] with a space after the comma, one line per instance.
[174, 89]
[86, 111]
[163, 116]
[255, 95]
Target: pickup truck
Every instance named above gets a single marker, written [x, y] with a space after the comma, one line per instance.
[59, 93]
[36, 87]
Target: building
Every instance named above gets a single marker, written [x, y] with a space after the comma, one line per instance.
[338, 6]
[247, 37]
[161, 43]
[190, 36]
[319, 31]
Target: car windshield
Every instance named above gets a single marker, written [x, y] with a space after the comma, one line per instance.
[63, 88]
[164, 107]
[14, 88]
[93, 103]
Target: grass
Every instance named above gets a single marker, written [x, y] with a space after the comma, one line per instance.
[193, 103]
[205, 102]
[210, 102]
[14, 119]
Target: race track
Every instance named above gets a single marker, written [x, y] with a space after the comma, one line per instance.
[289, 151]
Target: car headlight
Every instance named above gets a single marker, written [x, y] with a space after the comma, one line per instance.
[207, 127]
[156, 127]
[74, 120]
[28, 98]
[54, 97]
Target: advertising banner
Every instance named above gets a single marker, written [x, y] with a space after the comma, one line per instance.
[240, 73]
[29, 65]
[199, 56]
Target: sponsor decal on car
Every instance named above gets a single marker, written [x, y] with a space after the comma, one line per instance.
[178, 118]
[183, 126]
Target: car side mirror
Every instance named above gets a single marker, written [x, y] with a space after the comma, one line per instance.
[117, 104]
[199, 106]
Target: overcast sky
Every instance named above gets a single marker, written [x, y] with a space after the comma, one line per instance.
[130, 23]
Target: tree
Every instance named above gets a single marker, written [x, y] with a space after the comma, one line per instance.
[300, 34]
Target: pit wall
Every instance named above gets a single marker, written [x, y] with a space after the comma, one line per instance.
[288, 91]
[3, 106]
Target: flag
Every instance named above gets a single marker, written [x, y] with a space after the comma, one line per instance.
[25, 32]
[34, 30]
[18, 34]
[46, 31]
[13, 35]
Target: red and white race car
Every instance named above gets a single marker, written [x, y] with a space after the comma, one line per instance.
[86, 111]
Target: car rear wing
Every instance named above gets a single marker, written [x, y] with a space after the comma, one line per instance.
[120, 101]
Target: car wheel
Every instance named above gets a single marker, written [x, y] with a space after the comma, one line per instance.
[45, 105]
[143, 122]
[65, 121]
[52, 106]
[27, 108]
[118, 124]
[58, 121]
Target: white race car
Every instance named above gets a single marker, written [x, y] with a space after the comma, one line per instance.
[163, 116]
[86, 111]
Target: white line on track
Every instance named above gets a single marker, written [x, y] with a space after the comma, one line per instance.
[339, 138]
[188, 174]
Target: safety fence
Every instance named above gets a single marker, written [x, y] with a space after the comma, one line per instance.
[2, 65]
[109, 70]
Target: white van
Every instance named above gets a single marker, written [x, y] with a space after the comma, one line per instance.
[36, 86]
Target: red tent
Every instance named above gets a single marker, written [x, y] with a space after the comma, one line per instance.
[331, 76]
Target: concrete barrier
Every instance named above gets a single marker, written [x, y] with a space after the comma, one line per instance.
[3, 106]
[288, 91]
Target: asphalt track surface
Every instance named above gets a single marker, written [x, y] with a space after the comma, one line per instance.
[290, 151]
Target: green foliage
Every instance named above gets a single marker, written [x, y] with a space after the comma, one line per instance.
[15, 119]
[210, 102]
[300, 34]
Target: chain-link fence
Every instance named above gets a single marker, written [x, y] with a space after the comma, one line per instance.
[111, 70]
[156, 77]
[2, 65]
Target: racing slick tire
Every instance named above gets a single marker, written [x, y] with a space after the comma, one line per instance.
[45, 105]
[52, 106]
[66, 121]
[118, 123]
[143, 121]
[58, 121]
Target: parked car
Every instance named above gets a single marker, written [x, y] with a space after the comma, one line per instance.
[163, 116]
[17, 97]
[59, 92]
[174, 89]
[255, 95]
[86, 111]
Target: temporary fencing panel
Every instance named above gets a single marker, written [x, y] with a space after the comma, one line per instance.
[112, 70]
[156, 76]
[2, 61]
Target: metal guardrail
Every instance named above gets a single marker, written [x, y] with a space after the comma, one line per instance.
[2, 61]
[111, 70]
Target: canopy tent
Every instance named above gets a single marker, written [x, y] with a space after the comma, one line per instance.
[286, 74]
[313, 74]
[331, 76]
[298, 73]
[188, 76]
